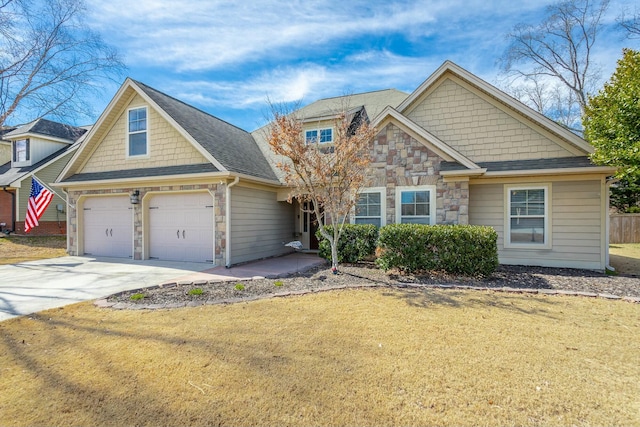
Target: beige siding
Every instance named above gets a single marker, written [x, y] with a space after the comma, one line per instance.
[5, 153]
[167, 147]
[260, 225]
[47, 176]
[575, 222]
[478, 129]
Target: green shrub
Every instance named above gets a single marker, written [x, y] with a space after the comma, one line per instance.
[357, 242]
[196, 291]
[459, 249]
[137, 297]
[278, 283]
[239, 287]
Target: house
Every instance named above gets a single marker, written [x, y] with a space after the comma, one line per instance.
[157, 178]
[41, 148]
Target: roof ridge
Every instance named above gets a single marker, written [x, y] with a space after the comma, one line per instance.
[359, 93]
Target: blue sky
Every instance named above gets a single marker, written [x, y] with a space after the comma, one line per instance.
[229, 57]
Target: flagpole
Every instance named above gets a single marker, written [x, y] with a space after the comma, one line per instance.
[66, 199]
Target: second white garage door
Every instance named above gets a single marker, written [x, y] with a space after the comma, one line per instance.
[181, 227]
[108, 226]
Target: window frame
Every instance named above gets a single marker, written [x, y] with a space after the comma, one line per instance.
[383, 205]
[547, 243]
[432, 201]
[27, 150]
[129, 133]
[318, 131]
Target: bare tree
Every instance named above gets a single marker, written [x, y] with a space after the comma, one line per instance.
[50, 61]
[631, 23]
[556, 51]
[327, 178]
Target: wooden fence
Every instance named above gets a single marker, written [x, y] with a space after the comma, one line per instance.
[624, 228]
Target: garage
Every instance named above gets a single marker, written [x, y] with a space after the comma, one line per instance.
[108, 226]
[181, 227]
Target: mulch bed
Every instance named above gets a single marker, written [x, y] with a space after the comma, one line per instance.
[506, 278]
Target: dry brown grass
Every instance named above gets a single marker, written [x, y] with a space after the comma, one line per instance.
[353, 357]
[625, 257]
[15, 249]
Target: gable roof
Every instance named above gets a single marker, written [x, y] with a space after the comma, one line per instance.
[226, 146]
[502, 98]
[47, 128]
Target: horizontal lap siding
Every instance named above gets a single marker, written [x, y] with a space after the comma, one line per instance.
[260, 225]
[575, 220]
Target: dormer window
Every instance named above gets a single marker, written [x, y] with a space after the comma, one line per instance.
[137, 142]
[322, 136]
[21, 150]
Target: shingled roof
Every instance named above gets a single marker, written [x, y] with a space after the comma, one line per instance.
[518, 165]
[233, 147]
[48, 128]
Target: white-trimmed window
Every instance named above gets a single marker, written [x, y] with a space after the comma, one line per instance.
[322, 136]
[416, 205]
[527, 216]
[371, 207]
[137, 132]
[21, 151]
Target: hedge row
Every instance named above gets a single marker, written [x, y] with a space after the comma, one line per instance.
[358, 241]
[459, 249]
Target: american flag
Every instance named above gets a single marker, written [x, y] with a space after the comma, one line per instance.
[39, 199]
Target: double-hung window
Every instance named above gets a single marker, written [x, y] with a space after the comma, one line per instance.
[137, 132]
[322, 136]
[527, 219]
[370, 208]
[21, 152]
[416, 205]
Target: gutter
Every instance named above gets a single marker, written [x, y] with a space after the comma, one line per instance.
[13, 209]
[228, 220]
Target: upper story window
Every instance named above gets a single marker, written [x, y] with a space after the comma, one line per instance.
[137, 132]
[21, 151]
[322, 136]
[527, 217]
[415, 205]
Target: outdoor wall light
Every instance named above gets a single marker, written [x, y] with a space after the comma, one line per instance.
[134, 197]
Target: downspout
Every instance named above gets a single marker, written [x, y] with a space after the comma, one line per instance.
[228, 220]
[66, 199]
[607, 225]
[13, 209]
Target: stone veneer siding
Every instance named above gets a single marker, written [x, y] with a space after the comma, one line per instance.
[400, 160]
[219, 192]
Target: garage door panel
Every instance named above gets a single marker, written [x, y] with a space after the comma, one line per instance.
[181, 227]
[108, 226]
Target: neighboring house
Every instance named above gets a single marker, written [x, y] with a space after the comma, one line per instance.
[157, 178]
[41, 148]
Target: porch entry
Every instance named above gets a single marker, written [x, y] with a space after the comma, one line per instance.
[309, 227]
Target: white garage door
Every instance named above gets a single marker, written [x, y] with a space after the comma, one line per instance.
[181, 227]
[108, 226]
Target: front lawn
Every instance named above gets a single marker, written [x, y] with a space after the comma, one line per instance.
[383, 356]
[15, 249]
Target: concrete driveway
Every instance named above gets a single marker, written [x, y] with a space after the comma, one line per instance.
[39, 285]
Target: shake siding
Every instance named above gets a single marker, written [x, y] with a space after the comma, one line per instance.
[260, 225]
[167, 147]
[478, 129]
[575, 222]
[5, 153]
[47, 176]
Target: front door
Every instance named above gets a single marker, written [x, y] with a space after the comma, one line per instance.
[310, 226]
